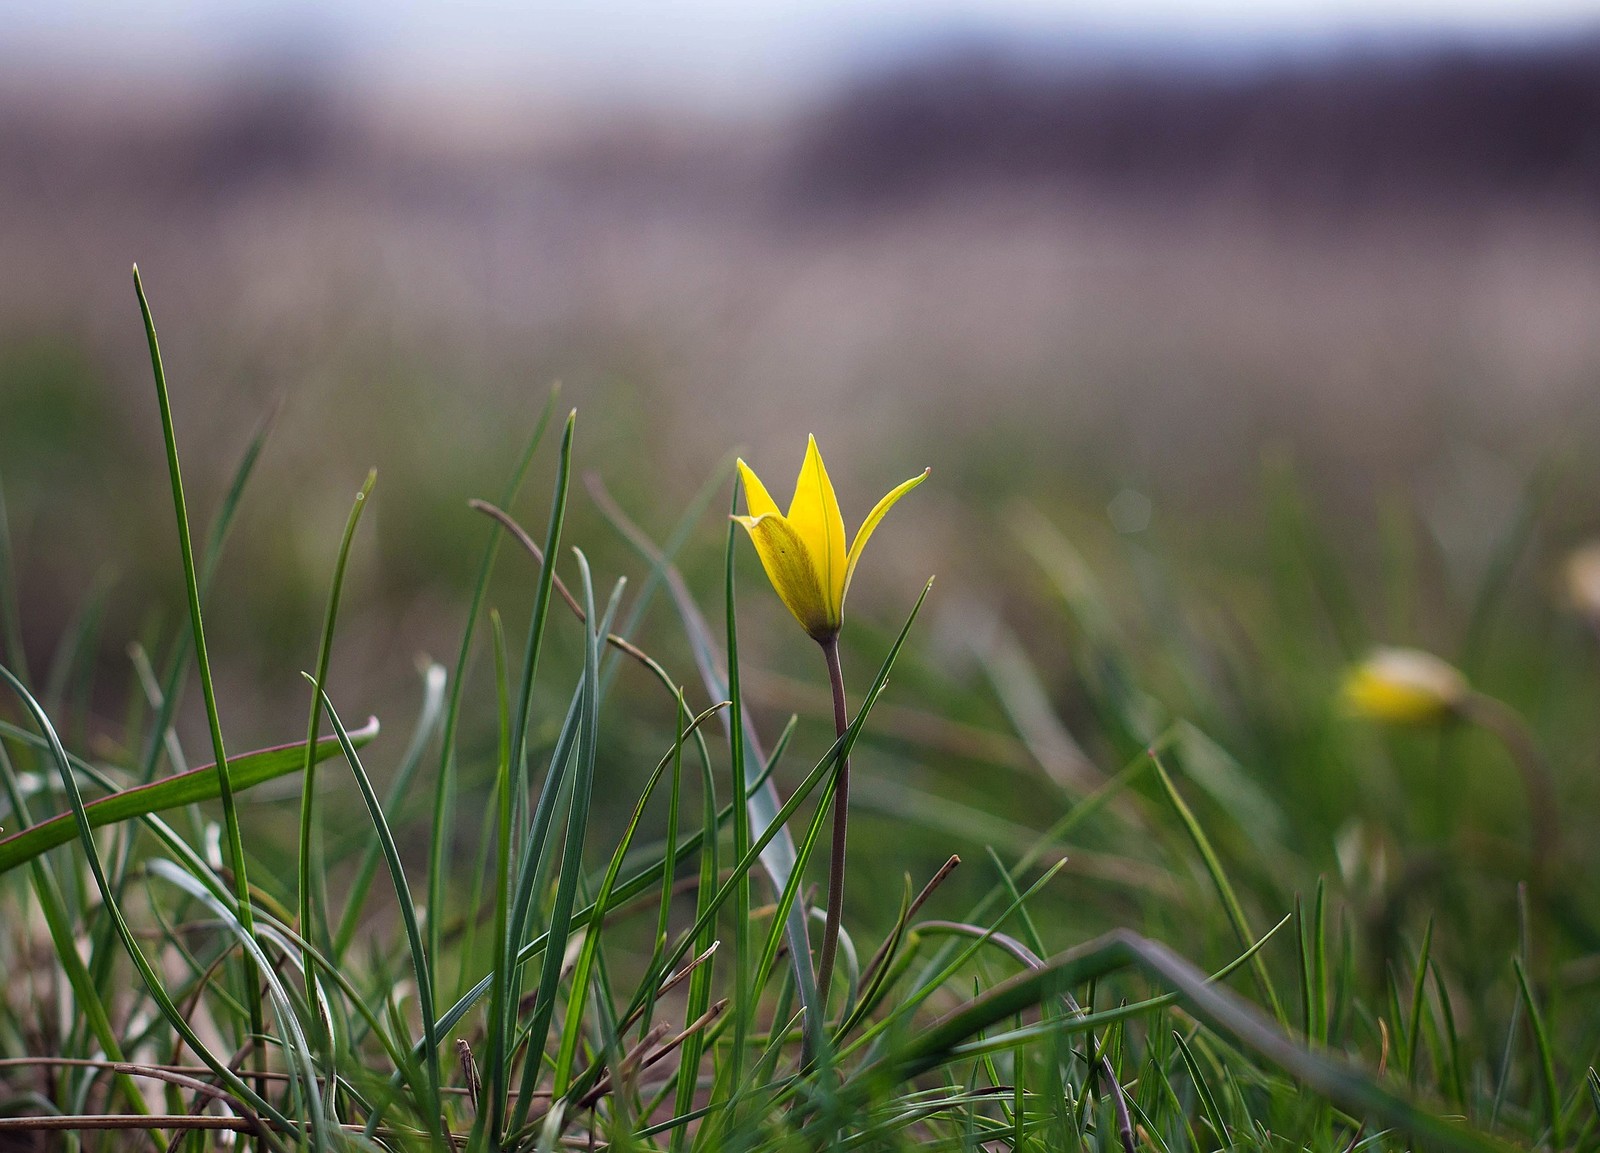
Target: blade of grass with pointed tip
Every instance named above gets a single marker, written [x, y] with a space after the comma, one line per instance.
[444, 787]
[572, 848]
[1419, 988]
[1547, 1064]
[1219, 878]
[498, 981]
[408, 916]
[522, 703]
[230, 812]
[311, 873]
[427, 724]
[10, 615]
[740, 785]
[192, 787]
[1202, 1088]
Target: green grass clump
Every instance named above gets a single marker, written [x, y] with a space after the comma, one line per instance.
[1171, 929]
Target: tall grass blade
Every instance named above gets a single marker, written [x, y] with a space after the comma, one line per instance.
[420, 968]
[522, 703]
[572, 852]
[230, 812]
[1547, 1063]
[10, 613]
[444, 785]
[740, 787]
[428, 718]
[1219, 878]
[311, 872]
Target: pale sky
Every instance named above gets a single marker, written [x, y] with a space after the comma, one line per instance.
[708, 51]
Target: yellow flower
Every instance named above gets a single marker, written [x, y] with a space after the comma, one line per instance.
[804, 551]
[1405, 686]
[1583, 580]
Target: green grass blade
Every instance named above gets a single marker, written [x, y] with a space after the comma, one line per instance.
[1419, 988]
[1547, 1063]
[444, 785]
[408, 914]
[10, 613]
[192, 787]
[236, 843]
[739, 786]
[522, 704]
[1219, 878]
[310, 872]
[1202, 1088]
[571, 854]
[498, 982]
[428, 718]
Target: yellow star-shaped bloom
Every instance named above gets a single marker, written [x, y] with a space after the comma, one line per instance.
[804, 550]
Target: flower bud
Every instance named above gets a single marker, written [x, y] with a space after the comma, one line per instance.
[1582, 573]
[1405, 686]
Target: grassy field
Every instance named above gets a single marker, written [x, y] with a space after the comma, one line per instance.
[1205, 897]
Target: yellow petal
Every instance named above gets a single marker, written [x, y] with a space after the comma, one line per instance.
[786, 558]
[867, 526]
[1404, 686]
[757, 501]
[814, 515]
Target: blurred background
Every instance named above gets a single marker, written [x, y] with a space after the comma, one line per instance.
[1210, 287]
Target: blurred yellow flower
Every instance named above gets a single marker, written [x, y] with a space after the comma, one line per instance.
[803, 551]
[1405, 686]
[1583, 580]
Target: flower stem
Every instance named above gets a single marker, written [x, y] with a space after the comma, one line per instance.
[1544, 810]
[841, 816]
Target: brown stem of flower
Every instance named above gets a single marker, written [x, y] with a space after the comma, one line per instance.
[841, 816]
[1544, 810]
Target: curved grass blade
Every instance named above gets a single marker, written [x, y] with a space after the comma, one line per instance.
[201, 784]
[230, 812]
[506, 954]
[313, 905]
[1219, 878]
[444, 787]
[1215, 1006]
[433, 681]
[572, 847]
[408, 915]
[1547, 1064]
